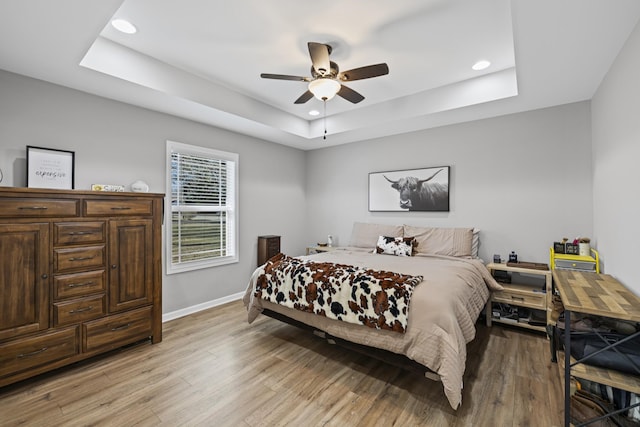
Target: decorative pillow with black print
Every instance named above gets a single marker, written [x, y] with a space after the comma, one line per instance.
[398, 246]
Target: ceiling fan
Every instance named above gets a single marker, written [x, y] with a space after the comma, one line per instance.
[326, 80]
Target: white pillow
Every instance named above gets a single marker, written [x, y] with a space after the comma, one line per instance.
[475, 243]
[398, 246]
[365, 235]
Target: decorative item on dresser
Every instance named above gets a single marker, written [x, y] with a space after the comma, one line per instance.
[82, 275]
[268, 246]
[50, 168]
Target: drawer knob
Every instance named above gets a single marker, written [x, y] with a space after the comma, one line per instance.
[113, 266]
[45, 276]
[33, 208]
[120, 208]
[33, 353]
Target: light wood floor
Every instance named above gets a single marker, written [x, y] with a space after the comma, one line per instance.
[214, 369]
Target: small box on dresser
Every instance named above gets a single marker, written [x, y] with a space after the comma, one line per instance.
[82, 274]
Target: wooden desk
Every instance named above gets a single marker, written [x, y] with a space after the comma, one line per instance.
[599, 295]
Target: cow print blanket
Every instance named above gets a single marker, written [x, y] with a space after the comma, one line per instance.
[377, 299]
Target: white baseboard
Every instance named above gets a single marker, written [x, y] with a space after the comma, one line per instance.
[199, 307]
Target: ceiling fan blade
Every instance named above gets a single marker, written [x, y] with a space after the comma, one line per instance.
[304, 97]
[364, 72]
[319, 57]
[350, 94]
[285, 77]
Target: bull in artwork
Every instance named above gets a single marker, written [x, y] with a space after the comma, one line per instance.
[420, 194]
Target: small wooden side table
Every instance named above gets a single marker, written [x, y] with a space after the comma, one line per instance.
[521, 295]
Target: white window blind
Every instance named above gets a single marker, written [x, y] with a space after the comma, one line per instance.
[201, 199]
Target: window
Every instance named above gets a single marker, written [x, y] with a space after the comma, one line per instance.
[202, 189]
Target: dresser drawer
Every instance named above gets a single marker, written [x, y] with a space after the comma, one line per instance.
[566, 264]
[273, 246]
[117, 207]
[79, 284]
[525, 299]
[26, 207]
[69, 233]
[79, 310]
[117, 330]
[65, 259]
[29, 353]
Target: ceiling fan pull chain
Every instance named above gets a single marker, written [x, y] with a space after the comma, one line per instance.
[325, 119]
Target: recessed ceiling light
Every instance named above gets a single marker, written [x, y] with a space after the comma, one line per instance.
[314, 112]
[481, 65]
[124, 26]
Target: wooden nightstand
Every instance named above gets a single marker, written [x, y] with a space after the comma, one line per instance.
[534, 297]
[317, 249]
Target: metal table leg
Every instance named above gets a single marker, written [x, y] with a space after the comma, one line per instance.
[567, 368]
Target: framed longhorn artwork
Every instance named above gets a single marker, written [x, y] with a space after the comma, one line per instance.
[425, 190]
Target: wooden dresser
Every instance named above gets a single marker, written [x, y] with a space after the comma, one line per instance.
[268, 246]
[80, 274]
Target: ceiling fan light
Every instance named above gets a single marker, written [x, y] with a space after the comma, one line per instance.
[324, 89]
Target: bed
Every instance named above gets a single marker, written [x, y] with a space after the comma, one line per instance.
[443, 308]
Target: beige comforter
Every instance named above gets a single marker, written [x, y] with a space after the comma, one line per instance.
[442, 314]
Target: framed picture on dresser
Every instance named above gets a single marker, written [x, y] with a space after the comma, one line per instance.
[50, 168]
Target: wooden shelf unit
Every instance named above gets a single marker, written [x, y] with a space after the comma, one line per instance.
[521, 295]
[603, 376]
[598, 295]
[575, 262]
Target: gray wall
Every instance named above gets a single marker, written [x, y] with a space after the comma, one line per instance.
[116, 143]
[523, 179]
[616, 175]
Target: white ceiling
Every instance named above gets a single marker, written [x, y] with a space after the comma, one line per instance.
[202, 59]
